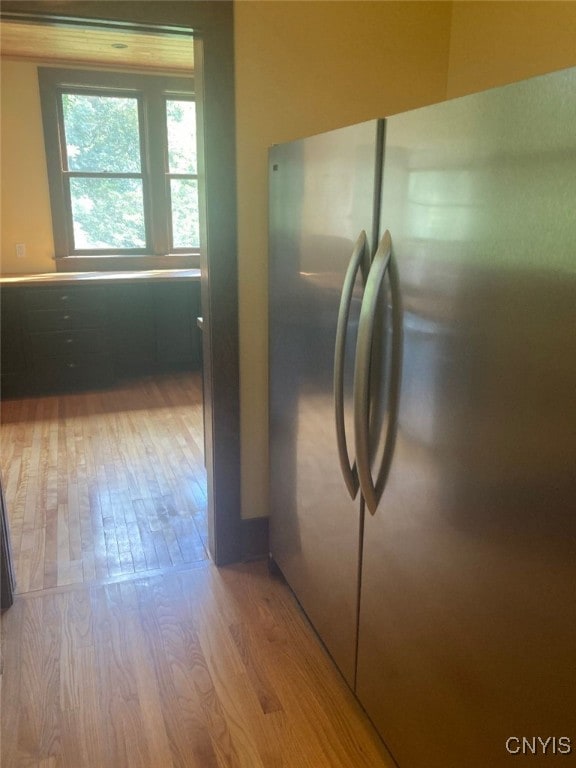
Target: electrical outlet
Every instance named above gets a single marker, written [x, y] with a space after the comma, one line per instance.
[21, 250]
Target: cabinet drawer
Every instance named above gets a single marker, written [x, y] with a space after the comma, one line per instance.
[11, 337]
[85, 297]
[62, 319]
[57, 343]
[71, 372]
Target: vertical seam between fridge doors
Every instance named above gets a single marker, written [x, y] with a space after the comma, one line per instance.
[378, 181]
[359, 588]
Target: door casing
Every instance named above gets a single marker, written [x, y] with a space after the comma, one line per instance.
[211, 24]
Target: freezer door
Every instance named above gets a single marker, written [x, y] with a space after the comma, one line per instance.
[321, 199]
[467, 631]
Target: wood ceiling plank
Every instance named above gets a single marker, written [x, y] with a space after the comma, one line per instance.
[54, 44]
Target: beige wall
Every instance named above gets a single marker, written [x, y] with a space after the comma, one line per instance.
[493, 43]
[25, 200]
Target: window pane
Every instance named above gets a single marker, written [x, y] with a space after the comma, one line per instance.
[181, 124]
[102, 133]
[108, 213]
[184, 199]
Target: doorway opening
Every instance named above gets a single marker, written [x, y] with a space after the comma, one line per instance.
[104, 484]
[218, 289]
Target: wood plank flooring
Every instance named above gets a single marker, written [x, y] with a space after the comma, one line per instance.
[197, 668]
[126, 647]
[103, 484]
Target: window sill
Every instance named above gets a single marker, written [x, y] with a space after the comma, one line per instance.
[124, 263]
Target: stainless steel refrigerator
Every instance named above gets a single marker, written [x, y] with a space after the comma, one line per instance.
[423, 417]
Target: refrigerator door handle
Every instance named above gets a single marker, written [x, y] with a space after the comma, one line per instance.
[360, 259]
[383, 262]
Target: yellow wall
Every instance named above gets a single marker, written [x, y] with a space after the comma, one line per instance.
[493, 43]
[25, 199]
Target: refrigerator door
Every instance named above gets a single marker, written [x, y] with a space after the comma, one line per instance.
[321, 199]
[468, 613]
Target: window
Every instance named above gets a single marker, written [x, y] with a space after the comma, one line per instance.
[122, 169]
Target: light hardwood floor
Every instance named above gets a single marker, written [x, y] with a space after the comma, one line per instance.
[101, 484]
[201, 668]
[160, 659]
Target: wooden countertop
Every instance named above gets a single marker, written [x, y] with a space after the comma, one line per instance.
[70, 278]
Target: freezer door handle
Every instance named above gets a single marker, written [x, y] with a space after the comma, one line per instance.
[360, 259]
[383, 262]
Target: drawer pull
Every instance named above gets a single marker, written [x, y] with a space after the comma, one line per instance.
[69, 341]
[71, 365]
[66, 317]
[64, 297]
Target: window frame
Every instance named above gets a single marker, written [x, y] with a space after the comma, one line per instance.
[152, 92]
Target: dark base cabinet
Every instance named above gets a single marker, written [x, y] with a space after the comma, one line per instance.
[12, 359]
[88, 336]
[178, 339]
[66, 331]
[78, 372]
[132, 314]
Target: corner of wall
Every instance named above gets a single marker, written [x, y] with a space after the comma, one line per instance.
[26, 216]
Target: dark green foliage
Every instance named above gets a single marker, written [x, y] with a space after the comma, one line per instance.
[102, 133]
[107, 213]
